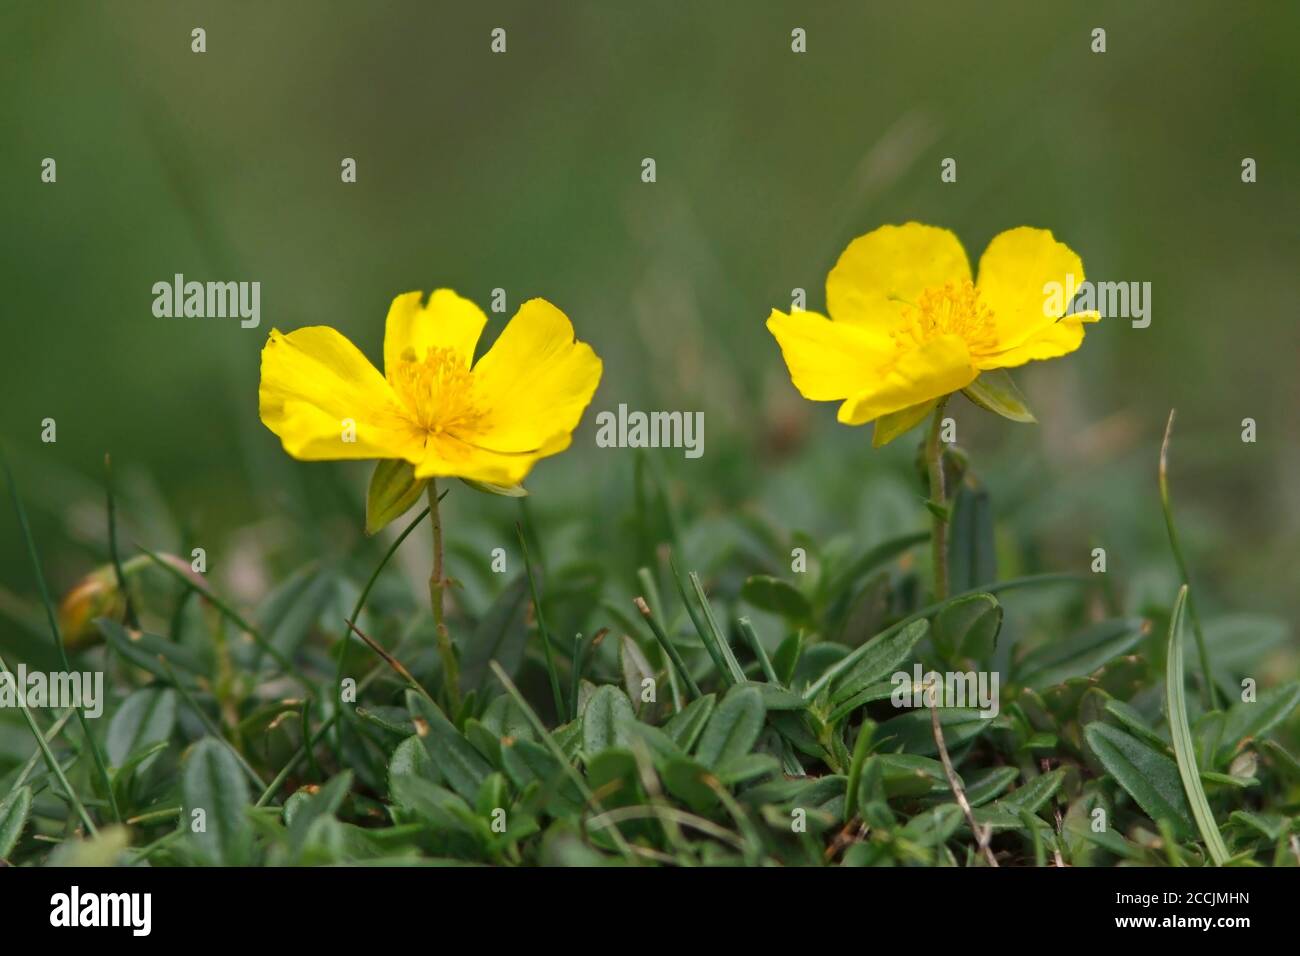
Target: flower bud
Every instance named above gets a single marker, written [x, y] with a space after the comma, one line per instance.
[95, 595]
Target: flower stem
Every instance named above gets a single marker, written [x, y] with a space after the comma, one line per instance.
[938, 502]
[437, 584]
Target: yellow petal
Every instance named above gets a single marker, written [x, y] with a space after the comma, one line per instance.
[448, 321]
[937, 368]
[1015, 277]
[535, 382]
[449, 456]
[888, 268]
[1051, 341]
[314, 382]
[828, 360]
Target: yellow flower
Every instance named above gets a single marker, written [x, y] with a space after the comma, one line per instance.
[435, 407]
[908, 326]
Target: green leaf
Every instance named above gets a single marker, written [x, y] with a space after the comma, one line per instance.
[146, 717]
[1134, 721]
[393, 490]
[290, 612]
[786, 659]
[1184, 749]
[1081, 654]
[324, 803]
[1271, 826]
[636, 670]
[603, 720]
[1248, 720]
[687, 781]
[968, 627]
[776, 698]
[500, 635]
[881, 690]
[914, 733]
[1238, 642]
[1149, 776]
[410, 759]
[996, 391]
[777, 597]
[505, 718]
[734, 727]
[1034, 795]
[861, 751]
[421, 797]
[911, 775]
[456, 759]
[840, 587]
[972, 558]
[749, 767]
[494, 794]
[144, 650]
[13, 817]
[888, 427]
[1006, 814]
[1286, 764]
[685, 726]
[933, 827]
[526, 762]
[505, 491]
[613, 774]
[988, 784]
[657, 743]
[879, 658]
[214, 783]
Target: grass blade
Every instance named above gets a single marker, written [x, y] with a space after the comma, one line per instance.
[724, 646]
[551, 672]
[549, 741]
[764, 662]
[52, 762]
[674, 655]
[101, 768]
[129, 615]
[365, 593]
[258, 637]
[1184, 749]
[706, 637]
[852, 658]
[1207, 680]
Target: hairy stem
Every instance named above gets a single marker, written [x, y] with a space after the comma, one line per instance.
[437, 585]
[938, 501]
[981, 834]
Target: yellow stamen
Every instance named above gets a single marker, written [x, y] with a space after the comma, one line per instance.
[950, 309]
[438, 391]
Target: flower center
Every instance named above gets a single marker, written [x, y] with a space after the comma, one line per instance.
[953, 308]
[438, 391]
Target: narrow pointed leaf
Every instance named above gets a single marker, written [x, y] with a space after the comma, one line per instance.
[996, 391]
[1184, 748]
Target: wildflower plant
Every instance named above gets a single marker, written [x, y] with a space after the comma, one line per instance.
[435, 412]
[791, 700]
[909, 327]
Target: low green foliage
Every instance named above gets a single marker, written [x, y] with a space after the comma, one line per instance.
[752, 712]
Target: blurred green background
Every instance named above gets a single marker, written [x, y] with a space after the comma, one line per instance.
[522, 171]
